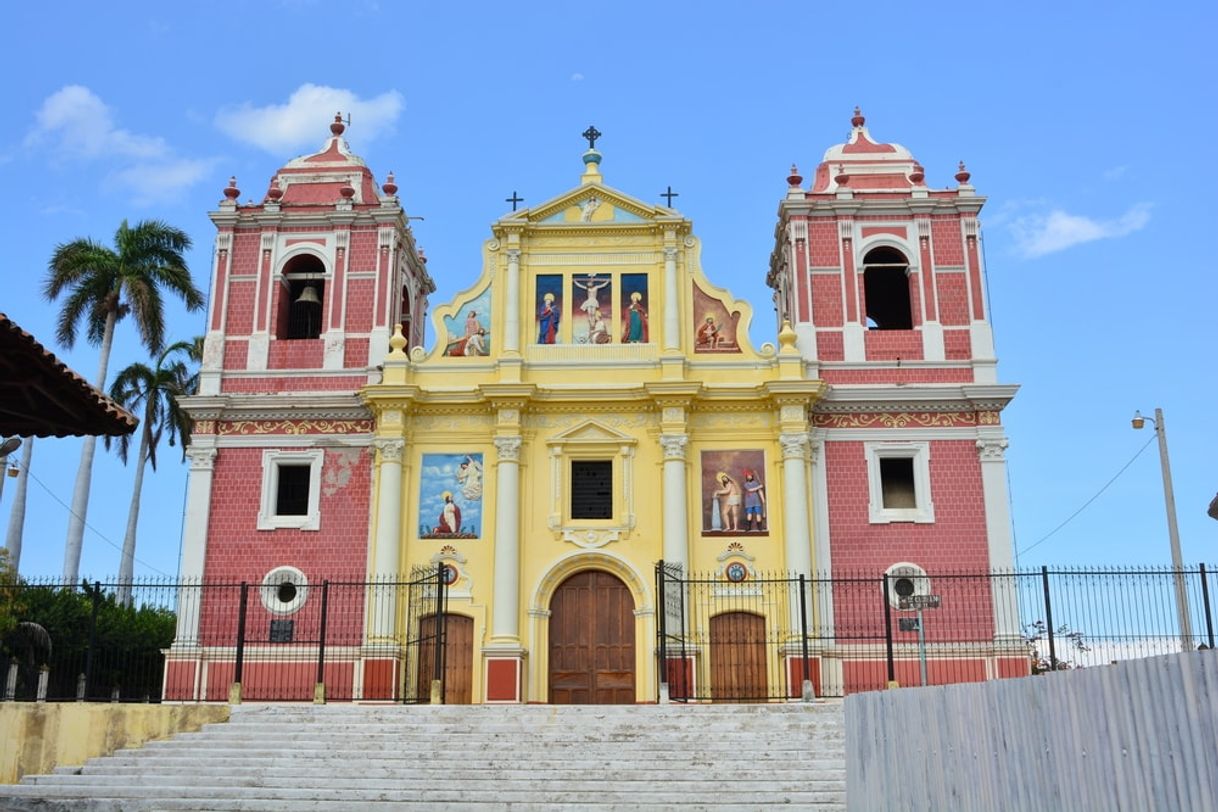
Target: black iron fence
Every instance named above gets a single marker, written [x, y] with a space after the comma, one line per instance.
[739, 635]
[734, 635]
[282, 639]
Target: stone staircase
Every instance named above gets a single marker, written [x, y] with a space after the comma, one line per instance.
[482, 757]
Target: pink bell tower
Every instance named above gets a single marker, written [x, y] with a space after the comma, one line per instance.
[883, 280]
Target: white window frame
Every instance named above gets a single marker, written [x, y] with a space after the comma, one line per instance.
[919, 452]
[272, 459]
[910, 570]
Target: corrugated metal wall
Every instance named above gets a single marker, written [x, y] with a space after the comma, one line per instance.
[1137, 735]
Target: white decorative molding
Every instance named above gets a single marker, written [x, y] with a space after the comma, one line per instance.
[268, 240]
[268, 592]
[513, 255]
[201, 459]
[342, 239]
[674, 446]
[390, 451]
[991, 449]
[923, 511]
[670, 254]
[272, 461]
[508, 448]
[592, 538]
[794, 445]
[845, 229]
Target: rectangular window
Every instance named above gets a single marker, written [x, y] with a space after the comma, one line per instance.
[292, 495]
[591, 489]
[897, 483]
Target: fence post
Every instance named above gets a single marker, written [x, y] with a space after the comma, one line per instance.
[234, 690]
[437, 676]
[805, 689]
[1044, 580]
[319, 689]
[1205, 601]
[82, 686]
[892, 666]
[662, 631]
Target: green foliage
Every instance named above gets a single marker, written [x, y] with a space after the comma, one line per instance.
[126, 641]
[1065, 642]
[10, 595]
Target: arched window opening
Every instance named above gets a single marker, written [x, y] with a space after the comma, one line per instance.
[303, 297]
[886, 290]
[405, 318]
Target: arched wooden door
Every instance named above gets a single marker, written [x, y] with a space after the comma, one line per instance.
[592, 641]
[458, 658]
[737, 657]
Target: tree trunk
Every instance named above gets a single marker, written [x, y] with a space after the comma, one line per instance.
[16, 516]
[84, 474]
[126, 566]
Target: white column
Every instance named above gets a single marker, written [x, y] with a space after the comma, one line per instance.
[991, 448]
[505, 611]
[383, 607]
[676, 501]
[823, 561]
[797, 544]
[194, 543]
[511, 321]
[672, 318]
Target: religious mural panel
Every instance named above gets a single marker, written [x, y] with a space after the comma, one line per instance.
[469, 329]
[591, 308]
[714, 326]
[734, 499]
[549, 308]
[634, 308]
[450, 496]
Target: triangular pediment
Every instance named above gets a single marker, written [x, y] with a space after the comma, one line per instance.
[591, 204]
[591, 432]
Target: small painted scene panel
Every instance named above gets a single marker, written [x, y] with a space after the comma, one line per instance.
[714, 327]
[634, 309]
[549, 308]
[450, 496]
[469, 329]
[591, 308]
[734, 497]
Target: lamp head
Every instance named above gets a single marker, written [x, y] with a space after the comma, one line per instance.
[1138, 421]
[10, 445]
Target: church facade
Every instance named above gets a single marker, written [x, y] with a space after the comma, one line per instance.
[591, 405]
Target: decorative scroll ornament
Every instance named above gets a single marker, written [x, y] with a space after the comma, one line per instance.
[991, 449]
[592, 538]
[508, 448]
[674, 446]
[895, 420]
[794, 446]
[390, 450]
[294, 427]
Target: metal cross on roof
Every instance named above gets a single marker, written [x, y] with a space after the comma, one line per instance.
[513, 200]
[591, 134]
[670, 194]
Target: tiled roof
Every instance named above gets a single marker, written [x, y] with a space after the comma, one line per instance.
[41, 397]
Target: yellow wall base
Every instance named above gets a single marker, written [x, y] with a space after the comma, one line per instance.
[35, 738]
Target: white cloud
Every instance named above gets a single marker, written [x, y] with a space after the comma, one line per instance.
[74, 123]
[157, 181]
[1045, 233]
[305, 118]
[577, 77]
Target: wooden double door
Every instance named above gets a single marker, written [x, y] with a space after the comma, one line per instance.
[738, 657]
[592, 655]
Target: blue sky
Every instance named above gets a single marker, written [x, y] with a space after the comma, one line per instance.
[1088, 126]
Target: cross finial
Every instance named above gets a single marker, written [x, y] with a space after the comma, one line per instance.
[591, 134]
[513, 200]
[670, 194]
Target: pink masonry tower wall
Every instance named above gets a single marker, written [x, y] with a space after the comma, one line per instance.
[279, 387]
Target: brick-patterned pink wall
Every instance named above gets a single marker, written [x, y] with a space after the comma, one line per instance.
[240, 307]
[360, 304]
[823, 244]
[826, 300]
[945, 237]
[958, 345]
[295, 383]
[300, 353]
[235, 354]
[237, 551]
[829, 346]
[355, 353]
[884, 345]
[953, 298]
[897, 375]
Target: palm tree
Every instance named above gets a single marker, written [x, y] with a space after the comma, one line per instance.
[103, 285]
[157, 389]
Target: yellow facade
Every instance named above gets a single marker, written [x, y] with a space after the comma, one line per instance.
[659, 411]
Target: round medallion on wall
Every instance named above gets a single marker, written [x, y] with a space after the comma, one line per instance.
[451, 574]
[284, 590]
[736, 572]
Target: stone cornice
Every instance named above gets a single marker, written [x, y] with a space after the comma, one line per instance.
[275, 407]
[917, 398]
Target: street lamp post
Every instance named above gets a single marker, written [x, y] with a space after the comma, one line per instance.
[1173, 531]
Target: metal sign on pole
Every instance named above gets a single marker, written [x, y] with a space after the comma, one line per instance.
[919, 603]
